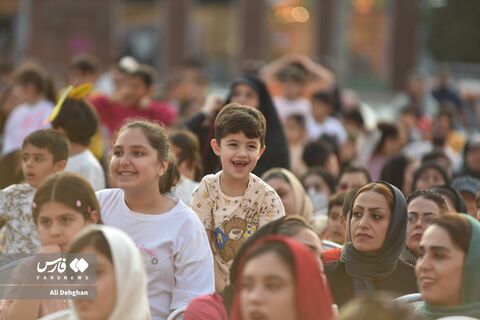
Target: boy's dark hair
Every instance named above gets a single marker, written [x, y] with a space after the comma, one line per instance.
[316, 153]
[85, 63]
[145, 73]
[79, 120]
[32, 74]
[235, 118]
[323, 96]
[50, 139]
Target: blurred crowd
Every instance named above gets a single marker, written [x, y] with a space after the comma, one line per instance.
[315, 204]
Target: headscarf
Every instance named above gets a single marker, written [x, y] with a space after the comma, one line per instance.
[276, 154]
[366, 268]
[313, 299]
[470, 305]
[130, 275]
[453, 195]
[303, 204]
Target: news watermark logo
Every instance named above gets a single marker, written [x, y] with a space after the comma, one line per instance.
[48, 276]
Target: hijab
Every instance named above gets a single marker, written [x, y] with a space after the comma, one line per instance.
[303, 204]
[367, 268]
[313, 299]
[130, 275]
[470, 282]
[276, 154]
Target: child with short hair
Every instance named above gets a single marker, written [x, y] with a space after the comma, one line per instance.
[44, 152]
[233, 203]
[77, 120]
[32, 86]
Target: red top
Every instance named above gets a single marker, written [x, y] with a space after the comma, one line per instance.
[208, 307]
[331, 255]
[313, 298]
[112, 114]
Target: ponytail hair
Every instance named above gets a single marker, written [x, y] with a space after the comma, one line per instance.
[159, 141]
[170, 178]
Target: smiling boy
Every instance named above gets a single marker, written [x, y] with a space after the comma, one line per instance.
[233, 203]
[44, 152]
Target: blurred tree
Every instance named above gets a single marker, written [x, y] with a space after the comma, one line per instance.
[453, 34]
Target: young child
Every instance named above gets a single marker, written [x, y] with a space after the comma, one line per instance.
[168, 233]
[322, 121]
[31, 85]
[296, 133]
[44, 152]
[63, 205]
[134, 101]
[233, 203]
[186, 150]
[77, 120]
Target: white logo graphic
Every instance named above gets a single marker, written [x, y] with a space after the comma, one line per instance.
[58, 264]
[79, 265]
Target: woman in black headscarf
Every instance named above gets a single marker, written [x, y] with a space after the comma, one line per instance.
[370, 260]
[247, 90]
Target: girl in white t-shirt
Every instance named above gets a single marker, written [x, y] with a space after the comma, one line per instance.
[169, 234]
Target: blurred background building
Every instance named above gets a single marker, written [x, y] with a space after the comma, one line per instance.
[370, 44]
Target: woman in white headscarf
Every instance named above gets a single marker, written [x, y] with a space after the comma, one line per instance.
[121, 283]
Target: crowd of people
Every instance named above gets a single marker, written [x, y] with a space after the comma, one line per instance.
[277, 201]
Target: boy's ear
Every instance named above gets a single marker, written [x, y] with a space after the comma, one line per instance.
[215, 147]
[60, 165]
[262, 150]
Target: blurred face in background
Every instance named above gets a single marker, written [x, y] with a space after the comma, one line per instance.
[134, 90]
[336, 224]
[429, 178]
[245, 95]
[286, 194]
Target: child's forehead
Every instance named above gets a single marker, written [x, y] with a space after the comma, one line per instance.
[239, 136]
[33, 149]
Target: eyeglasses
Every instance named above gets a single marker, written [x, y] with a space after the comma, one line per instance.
[425, 219]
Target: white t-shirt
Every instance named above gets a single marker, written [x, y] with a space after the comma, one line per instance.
[331, 126]
[22, 121]
[174, 244]
[287, 107]
[184, 189]
[86, 165]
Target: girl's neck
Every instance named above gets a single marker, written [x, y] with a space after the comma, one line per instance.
[233, 187]
[148, 202]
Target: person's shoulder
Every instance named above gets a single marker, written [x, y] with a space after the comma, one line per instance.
[258, 183]
[109, 194]
[404, 267]
[18, 189]
[332, 267]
